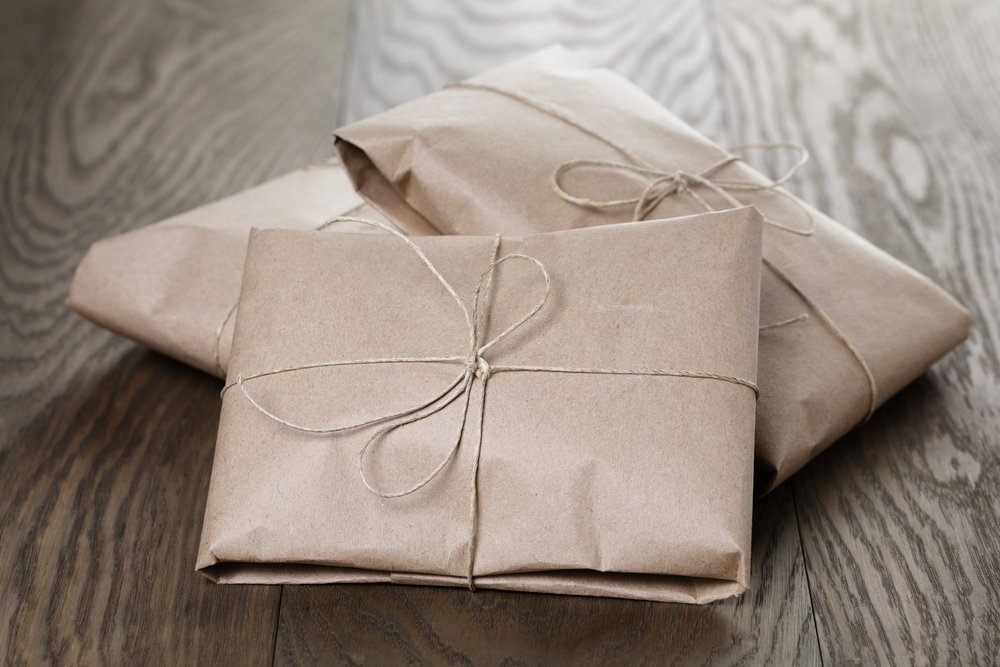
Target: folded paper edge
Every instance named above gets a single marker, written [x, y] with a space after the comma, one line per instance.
[374, 188]
[587, 583]
[86, 293]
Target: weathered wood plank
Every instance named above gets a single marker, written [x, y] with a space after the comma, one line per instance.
[115, 114]
[386, 624]
[403, 49]
[104, 495]
[897, 102]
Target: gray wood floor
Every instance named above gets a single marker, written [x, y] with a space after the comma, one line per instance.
[118, 113]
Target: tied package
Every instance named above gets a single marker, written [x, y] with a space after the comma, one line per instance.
[548, 143]
[569, 412]
[173, 286]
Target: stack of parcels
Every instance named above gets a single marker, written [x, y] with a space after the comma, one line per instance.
[522, 393]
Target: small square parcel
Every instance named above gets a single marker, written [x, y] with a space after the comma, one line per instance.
[604, 446]
[548, 143]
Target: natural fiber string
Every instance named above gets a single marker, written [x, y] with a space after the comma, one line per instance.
[474, 366]
[232, 308]
[804, 317]
[669, 182]
[677, 182]
[663, 184]
[218, 337]
[841, 336]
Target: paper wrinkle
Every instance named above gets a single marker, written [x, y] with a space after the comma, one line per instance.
[901, 322]
[402, 150]
[168, 286]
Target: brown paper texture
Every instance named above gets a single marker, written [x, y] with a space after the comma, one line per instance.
[626, 486]
[169, 286]
[471, 161]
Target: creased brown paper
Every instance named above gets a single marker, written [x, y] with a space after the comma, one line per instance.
[854, 324]
[169, 286]
[625, 485]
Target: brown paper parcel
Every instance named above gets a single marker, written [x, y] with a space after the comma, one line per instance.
[481, 157]
[636, 484]
[172, 285]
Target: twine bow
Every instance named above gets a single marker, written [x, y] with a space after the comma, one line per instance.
[474, 366]
[663, 183]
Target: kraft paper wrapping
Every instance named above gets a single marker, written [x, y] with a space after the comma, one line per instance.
[170, 285]
[609, 485]
[469, 160]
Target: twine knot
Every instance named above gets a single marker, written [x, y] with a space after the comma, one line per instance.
[478, 367]
[481, 369]
[662, 183]
[680, 182]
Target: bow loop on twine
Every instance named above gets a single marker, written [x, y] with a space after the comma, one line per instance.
[473, 366]
[662, 184]
[644, 204]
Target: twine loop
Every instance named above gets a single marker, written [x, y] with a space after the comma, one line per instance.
[473, 366]
[679, 182]
[663, 183]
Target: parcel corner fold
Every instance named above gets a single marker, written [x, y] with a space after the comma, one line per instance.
[172, 285]
[617, 423]
[843, 324]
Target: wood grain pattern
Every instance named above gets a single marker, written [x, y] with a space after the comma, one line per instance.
[407, 48]
[102, 509]
[386, 624]
[896, 99]
[117, 114]
[114, 114]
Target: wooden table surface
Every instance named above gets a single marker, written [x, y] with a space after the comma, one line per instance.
[117, 113]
